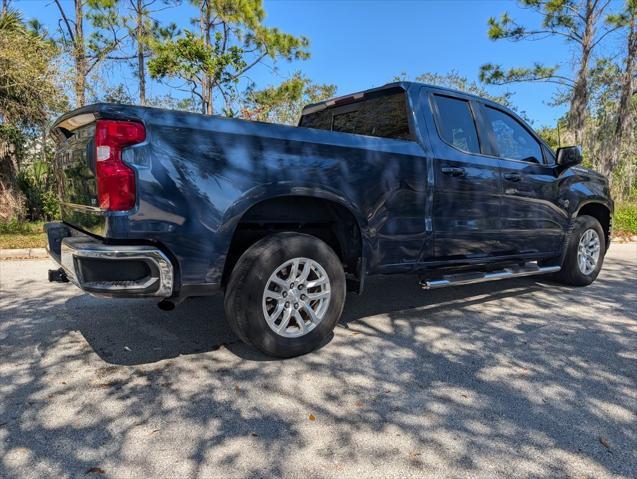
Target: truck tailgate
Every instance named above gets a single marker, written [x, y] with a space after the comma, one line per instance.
[74, 164]
[94, 180]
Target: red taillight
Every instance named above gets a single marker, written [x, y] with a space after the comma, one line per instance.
[115, 179]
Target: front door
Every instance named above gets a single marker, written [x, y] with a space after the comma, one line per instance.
[466, 202]
[532, 220]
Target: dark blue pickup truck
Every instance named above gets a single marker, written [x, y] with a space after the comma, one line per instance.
[406, 178]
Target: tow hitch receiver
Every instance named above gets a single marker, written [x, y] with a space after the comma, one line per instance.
[58, 276]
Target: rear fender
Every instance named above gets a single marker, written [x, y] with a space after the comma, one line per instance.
[237, 210]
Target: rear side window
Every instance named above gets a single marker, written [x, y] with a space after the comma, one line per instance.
[384, 116]
[512, 139]
[455, 123]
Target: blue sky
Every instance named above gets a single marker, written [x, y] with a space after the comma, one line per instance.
[358, 44]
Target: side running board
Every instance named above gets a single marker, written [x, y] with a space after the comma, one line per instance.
[528, 269]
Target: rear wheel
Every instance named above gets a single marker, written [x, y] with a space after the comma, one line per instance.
[286, 294]
[584, 254]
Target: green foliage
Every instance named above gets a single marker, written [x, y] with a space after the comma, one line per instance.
[89, 48]
[555, 136]
[105, 36]
[231, 41]
[550, 135]
[559, 17]
[625, 218]
[598, 119]
[14, 138]
[29, 96]
[172, 103]
[283, 103]
[495, 75]
[505, 27]
[187, 57]
[580, 23]
[28, 89]
[605, 91]
[117, 94]
[16, 227]
[36, 181]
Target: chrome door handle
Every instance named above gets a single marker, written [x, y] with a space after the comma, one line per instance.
[453, 171]
[512, 177]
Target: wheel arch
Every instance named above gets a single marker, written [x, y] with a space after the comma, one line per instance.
[602, 213]
[321, 214]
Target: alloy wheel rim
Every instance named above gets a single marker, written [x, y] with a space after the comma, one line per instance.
[296, 297]
[588, 251]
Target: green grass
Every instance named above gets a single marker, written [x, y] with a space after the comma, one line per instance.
[21, 228]
[11, 241]
[625, 219]
[14, 234]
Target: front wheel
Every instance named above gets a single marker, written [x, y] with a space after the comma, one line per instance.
[285, 294]
[584, 254]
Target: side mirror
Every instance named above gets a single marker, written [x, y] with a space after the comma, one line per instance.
[569, 156]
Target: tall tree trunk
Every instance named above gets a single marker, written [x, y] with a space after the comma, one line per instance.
[5, 7]
[141, 60]
[625, 114]
[79, 56]
[205, 19]
[579, 101]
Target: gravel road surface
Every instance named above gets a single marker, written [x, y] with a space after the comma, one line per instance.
[518, 378]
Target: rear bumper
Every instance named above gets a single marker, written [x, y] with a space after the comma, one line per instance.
[110, 270]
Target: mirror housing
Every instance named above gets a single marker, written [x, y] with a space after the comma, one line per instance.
[569, 156]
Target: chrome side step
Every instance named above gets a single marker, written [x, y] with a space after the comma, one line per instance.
[528, 269]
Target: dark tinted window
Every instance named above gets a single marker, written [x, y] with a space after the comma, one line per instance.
[512, 139]
[456, 125]
[384, 116]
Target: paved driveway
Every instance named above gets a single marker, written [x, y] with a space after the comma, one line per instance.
[522, 378]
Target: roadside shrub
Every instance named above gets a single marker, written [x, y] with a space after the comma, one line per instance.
[17, 227]
[625, 219]
[36, 181]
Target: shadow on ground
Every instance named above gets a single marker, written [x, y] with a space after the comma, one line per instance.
[520, 378]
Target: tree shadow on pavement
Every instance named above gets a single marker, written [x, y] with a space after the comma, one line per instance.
[522, 378]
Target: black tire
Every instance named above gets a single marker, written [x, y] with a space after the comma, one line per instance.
[571, 273]
[244, 292]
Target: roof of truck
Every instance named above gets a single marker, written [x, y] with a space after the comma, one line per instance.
[405, 85]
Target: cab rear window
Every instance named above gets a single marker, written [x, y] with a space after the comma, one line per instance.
[382, 116]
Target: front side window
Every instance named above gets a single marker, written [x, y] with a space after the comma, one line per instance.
[512, 140]
[456, 125]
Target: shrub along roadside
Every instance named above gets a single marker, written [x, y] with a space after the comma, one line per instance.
[625, 219]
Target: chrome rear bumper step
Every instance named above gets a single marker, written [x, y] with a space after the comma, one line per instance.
[101, 269]
[116, 270]
[529, 269]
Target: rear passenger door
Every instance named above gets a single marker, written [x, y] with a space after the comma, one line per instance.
[466, 199]
[532, 221]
